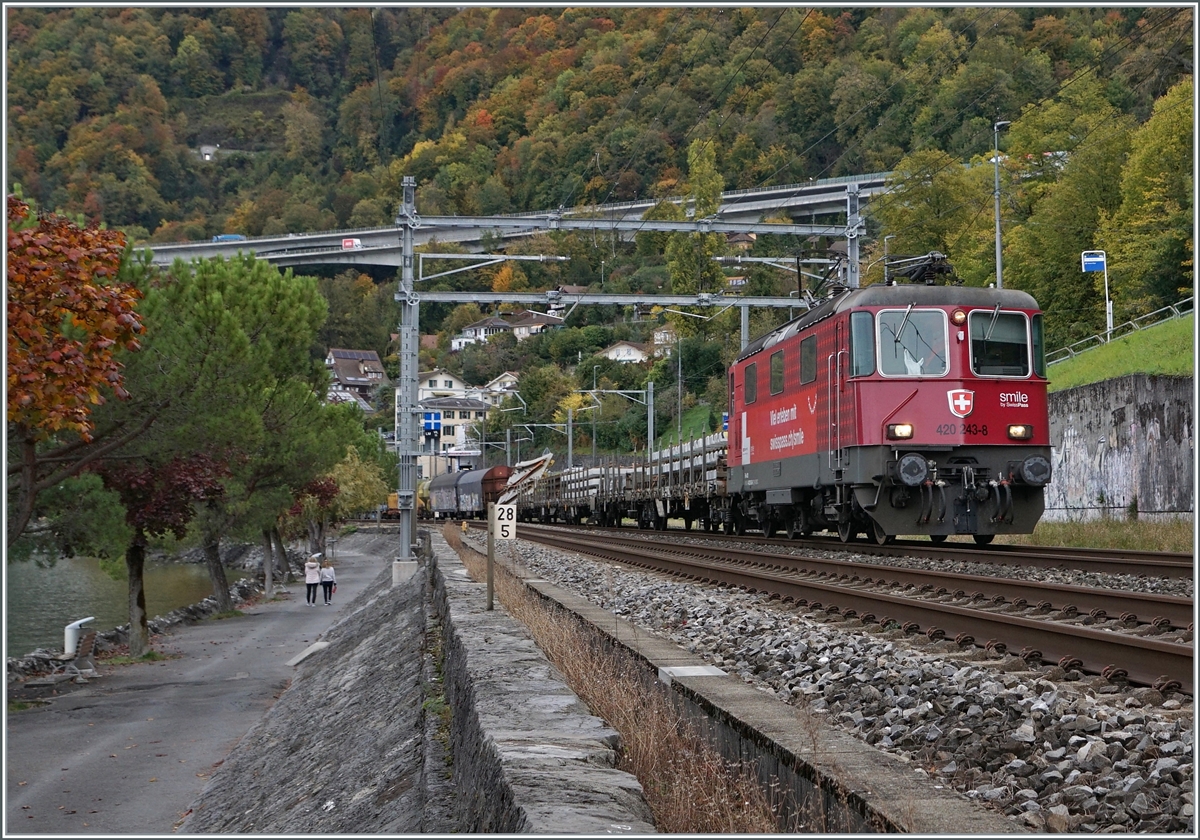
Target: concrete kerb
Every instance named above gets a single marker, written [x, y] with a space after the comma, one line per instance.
[822, 773]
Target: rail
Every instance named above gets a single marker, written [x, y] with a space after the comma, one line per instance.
[1152, 319]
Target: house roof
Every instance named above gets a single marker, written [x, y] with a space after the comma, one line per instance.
[348, 397]
[457, 403]
[633, 344]
[436, 371]
[490, 321]
[356, 368]
[531, 317]
[508, 377]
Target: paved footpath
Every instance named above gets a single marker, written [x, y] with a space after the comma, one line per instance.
[129, 752]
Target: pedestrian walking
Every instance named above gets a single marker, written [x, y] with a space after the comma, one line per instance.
[328, 581]
[312, 576]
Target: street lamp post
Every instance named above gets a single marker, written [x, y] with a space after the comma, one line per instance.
[594, 415]
[996, 160]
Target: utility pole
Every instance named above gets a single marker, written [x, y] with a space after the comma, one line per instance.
[679, 388]
[996, 159]
[406, 408]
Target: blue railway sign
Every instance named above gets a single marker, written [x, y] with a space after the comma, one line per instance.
[1094, 260]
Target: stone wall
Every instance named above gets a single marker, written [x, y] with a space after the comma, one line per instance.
[1120, 440]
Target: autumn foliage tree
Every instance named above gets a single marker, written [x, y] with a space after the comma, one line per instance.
[68, 318]
[313, 509]
[159, 499]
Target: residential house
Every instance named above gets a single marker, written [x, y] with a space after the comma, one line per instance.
[357, 371]
[439, 383]
[495, 391]
[741, 241]
[456, 444]
[530, 323]
[481, 330]
[339, 393]
[664, 340]
[625, 351]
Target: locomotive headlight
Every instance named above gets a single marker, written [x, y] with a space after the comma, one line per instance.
[1020, 431]
[899, 431]
[1035, 470]
[912, 469]
[958, 317]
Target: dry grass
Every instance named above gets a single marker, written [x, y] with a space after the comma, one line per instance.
[1133, 534]
[689, 787]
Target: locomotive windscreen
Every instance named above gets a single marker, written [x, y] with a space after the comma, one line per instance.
[999, 344]
[912, 342]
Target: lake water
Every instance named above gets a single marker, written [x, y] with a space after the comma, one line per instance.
[39, 602]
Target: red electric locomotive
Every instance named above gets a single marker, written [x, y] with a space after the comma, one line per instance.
[899, 408]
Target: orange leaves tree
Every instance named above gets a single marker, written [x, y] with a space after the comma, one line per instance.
[69, 317]
[158, 499]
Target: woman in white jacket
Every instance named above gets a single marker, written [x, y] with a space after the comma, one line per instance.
[328, 579]
[312, 576]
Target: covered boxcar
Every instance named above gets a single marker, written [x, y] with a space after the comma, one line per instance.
[478, 488]
[467, 493]
[443, 495]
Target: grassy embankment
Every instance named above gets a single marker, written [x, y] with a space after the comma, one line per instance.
[1165, 350]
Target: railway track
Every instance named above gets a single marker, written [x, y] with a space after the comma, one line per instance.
[1104, 560]
[1140, 637]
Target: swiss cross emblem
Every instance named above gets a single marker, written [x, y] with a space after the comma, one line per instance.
[961, 401]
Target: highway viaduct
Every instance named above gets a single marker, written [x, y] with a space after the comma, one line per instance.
[381, 246]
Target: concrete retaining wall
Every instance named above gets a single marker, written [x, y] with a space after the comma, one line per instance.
[1122, 439]
[825, 780]
[528, 756]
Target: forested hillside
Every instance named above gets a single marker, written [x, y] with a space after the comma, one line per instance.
[319, 112]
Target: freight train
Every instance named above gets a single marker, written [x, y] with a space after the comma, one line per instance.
[903, 408]
[466, 494]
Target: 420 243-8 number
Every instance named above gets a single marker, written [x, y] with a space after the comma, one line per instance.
[962, 428]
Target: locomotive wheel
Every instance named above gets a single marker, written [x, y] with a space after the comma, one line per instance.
[768, 527]
[660, 522]
[881, 536]
[984, 539]
[687, 523]
[937, 538]
[846, 532]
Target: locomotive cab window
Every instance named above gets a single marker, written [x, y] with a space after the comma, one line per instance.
[862, 344]
[751, 386]
[808, 360]
[999, 343]
[777, 372]
[912, 342]
[1039, 346]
